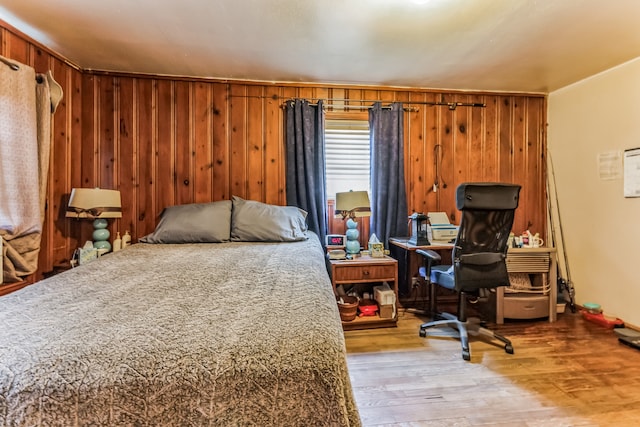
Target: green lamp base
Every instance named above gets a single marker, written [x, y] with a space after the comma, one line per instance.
[101, 234]
[353, 244]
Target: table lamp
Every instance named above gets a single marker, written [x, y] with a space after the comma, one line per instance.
[97, 204]
[352, 204]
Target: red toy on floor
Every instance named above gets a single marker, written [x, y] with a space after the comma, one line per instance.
[602, 320]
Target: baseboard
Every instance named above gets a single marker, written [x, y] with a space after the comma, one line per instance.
[7, 288]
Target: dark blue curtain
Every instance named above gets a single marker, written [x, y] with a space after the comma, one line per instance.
[388, 193]
[305, 171]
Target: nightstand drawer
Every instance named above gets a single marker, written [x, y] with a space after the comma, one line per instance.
[345, 273]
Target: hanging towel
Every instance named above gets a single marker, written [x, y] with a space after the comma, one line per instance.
[25, 139]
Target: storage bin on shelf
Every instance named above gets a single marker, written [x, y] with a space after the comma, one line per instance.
[348, 308]
[386, 299]
[367, 307]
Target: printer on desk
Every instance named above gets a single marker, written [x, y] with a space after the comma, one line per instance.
[440, 229]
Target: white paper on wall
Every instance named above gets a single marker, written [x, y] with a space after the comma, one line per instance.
[632, 172]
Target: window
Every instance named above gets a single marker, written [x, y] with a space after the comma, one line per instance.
[347, 153]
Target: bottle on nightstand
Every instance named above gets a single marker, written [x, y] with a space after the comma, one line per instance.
[126, 239]
[117, 243]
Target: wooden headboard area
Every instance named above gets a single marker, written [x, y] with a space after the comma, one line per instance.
[165, 141]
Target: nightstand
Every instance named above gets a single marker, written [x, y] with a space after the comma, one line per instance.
[365, 272]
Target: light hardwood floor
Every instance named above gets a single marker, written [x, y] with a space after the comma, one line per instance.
[568, 373]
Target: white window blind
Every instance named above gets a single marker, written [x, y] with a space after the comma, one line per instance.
[347, 154]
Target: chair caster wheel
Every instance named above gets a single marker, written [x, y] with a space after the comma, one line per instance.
[466, 355]
[423, 333]
[508, 348]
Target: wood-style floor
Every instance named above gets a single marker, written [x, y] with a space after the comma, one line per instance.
[568, 373]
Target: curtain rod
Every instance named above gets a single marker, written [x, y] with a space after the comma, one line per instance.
[363, 107]
[451, 105]
[351, 107]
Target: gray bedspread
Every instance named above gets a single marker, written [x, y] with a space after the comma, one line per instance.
[225, 334]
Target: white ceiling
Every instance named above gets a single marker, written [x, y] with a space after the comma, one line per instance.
[493, 45]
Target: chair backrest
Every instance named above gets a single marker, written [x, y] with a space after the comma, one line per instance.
[479, 254]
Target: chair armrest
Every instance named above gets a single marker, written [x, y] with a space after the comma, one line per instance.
[430, 259]
[433, 256]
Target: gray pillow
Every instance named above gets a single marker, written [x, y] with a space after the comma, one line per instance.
[253, 221]
[193, 223]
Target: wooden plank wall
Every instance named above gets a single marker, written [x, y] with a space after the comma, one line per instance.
[172, 141]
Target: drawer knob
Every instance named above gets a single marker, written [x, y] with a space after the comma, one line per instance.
[365, 272]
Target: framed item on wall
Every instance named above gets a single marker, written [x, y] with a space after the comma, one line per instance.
[632, 172]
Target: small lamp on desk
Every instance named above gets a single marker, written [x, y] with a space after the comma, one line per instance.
[419, 233]
[351, 205]
[97, 204]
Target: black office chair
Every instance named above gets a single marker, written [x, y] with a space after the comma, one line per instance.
[478, 257]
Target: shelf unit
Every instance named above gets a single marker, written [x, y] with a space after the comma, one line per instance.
[538, 301]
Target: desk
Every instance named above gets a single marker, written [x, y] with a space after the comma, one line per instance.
[519, 260]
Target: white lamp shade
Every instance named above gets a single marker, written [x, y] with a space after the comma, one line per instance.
[353, 204]
[94, 203]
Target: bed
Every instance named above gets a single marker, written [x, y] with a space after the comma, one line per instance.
[186, 334]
